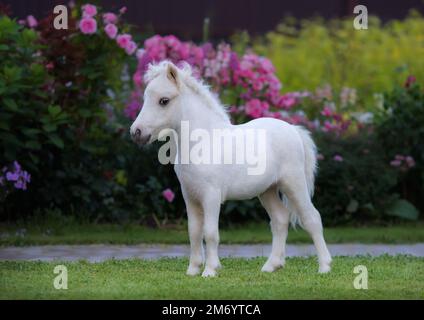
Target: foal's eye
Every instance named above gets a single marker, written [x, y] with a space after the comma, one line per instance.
[163, 101]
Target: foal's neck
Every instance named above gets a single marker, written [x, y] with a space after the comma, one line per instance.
[202, 116]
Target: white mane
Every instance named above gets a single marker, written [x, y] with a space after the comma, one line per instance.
[185, 75]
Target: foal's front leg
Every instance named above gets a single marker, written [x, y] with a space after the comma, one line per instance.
[211, 208]
[195, 231]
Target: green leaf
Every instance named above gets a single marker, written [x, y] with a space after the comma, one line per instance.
[84, 113]
[10, 104]
[12, 73]
[57, 141]
[403, 209]
[34, 158]
[54, 110]
[10, 139]
[49, 127]
[33, 145]
[4, 125]
[30, 132]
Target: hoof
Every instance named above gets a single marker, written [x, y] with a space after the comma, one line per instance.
[272, 266]
[209, 273]
[193, 271]
[324, 268]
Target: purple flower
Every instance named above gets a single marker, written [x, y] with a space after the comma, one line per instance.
[12, 176]
[17, 166]
[32, 22]
[20, 178]
[338, 158]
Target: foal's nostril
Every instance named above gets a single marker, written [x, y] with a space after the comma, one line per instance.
[138, 133]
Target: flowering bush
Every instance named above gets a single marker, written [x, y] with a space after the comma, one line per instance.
[57, 98]
[247, 84]
[26, 113]
[12, 178]
[354, 183]
[399, 126]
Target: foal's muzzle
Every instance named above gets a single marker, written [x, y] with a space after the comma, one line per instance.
[138, 138]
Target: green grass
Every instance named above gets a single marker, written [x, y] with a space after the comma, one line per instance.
[72, 233]
[399, 277]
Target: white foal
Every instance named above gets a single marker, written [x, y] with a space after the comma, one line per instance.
[173, 95]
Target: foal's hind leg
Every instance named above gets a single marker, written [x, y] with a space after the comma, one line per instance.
[279, 216]
[295, 188]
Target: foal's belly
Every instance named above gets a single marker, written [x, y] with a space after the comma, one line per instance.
[233, 183]
[246, 187]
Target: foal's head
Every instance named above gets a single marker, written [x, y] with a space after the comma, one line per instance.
[162, 103]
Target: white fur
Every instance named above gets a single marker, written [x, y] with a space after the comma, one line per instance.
[290, 169]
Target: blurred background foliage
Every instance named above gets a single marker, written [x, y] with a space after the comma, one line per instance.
[64, 97]
[311, 53]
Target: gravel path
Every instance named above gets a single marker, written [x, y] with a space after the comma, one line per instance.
[96, 253]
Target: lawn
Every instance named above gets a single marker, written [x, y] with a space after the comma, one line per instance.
[399, 277]
[74, 233]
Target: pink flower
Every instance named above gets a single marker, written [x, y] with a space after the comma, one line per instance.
[320, 156]
[327, 112]
[89, 10]
[109, 17]
[123, 10]
[88, 25]
[140, 53]
[50, 66]
[138, 78]
[287, 101]
[338, 158]
[328, 126]
[399, 157]
[410, 161]
[409, 81]
[123, 40]
[111, 30]
[168, 195]
[130, 48]
[255, 108]
[32, 22]
[395, 163]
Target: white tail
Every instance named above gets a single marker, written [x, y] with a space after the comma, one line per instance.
[310, 150]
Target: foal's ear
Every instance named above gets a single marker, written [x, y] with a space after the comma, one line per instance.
[172, 73]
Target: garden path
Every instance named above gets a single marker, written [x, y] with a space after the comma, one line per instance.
[97, 253]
